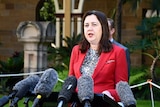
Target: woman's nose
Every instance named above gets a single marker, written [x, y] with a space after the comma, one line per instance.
[90, 27]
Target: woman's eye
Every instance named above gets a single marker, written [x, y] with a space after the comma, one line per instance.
[86, 25]
[94, 24]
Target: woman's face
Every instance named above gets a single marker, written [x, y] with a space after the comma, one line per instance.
[92, 29]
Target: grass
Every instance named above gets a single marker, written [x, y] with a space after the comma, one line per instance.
[147, 103]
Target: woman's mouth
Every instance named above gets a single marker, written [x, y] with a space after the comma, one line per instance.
[90, 34]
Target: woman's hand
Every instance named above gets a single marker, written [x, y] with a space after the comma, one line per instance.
[108, 94]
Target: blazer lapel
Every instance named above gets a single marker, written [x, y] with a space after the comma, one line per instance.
[79, 63]
[102, 61]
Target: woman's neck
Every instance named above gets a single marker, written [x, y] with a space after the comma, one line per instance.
[94, 47]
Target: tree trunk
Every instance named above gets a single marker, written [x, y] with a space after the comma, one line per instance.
[119, 20]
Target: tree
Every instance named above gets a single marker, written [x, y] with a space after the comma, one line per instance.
[45, 10]
[119, 19]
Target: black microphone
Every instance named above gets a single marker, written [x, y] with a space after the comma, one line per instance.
[125, 94]
[85, 90]
[44, 87]
[5, 99]
[23, 87]
[68, 88]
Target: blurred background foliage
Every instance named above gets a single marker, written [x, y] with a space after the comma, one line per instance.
[149, 44]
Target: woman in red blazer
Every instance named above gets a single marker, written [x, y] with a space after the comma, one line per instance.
[97, 57]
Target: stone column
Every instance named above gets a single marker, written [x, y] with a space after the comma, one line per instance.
[35, 37]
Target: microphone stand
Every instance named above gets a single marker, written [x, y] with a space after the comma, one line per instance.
[16, 105]
[87, 103]
[74, 104]
[12, 104]
[26, 102]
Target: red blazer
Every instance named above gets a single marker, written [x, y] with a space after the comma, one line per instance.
[111, 68]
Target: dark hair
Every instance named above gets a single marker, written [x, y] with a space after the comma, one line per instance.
[111, 23]
[104, 45]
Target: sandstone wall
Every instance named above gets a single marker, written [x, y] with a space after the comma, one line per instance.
[12, 12]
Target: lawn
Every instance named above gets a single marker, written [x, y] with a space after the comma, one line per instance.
[146, 103]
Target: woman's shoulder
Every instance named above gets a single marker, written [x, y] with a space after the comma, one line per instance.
[117, 48]
[76, 47]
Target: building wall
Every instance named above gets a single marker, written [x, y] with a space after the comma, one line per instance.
[12, 12]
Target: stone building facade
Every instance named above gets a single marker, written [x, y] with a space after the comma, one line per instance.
[12, 12]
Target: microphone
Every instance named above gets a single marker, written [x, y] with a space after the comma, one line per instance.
[44, 87]
[85, 90]
[125, 94]
[24, 86]
[5, 99]
[68, 88]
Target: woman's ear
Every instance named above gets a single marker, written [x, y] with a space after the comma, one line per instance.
[112, 31]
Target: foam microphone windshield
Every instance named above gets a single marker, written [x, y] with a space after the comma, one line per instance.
[125, 94]
[23, 87]
[85, 90]
[68, 88]
[45, 85]
[31, 81]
